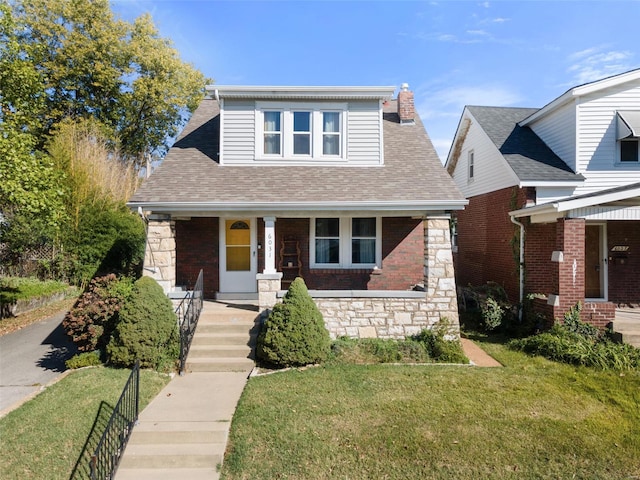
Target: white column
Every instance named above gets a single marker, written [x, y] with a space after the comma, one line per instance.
[269, 245]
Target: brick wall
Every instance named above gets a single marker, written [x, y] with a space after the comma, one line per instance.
[540, 272]
[624, 268]
[486, 252]
[197, 247]
[402, 257]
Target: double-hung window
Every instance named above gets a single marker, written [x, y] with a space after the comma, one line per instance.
[345, 242]
[272, 132]
[301, 131]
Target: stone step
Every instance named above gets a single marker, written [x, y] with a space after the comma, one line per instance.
[222, 364]
[186, 455]
[217, 351]
[224, 339]
[228, 317]
[167, 474]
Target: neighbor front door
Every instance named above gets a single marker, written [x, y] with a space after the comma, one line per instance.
[595, 262]
[238, 258]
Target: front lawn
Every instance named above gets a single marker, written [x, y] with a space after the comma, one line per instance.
[44, 438]
[532, 419]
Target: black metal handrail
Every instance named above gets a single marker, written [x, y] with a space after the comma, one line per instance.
[107, 455]
[188, 314]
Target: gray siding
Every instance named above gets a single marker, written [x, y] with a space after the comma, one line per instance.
[238, 132]
[364, 133]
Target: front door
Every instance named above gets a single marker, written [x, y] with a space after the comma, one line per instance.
[595, 263]
[238, 260]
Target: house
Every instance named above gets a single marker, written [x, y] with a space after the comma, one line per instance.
[338, 185]
[557, 190]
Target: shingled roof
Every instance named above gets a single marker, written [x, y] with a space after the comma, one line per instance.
[529, 157]
[191, 174]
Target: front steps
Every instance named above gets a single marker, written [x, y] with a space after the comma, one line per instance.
[182, 434]
[224, 340]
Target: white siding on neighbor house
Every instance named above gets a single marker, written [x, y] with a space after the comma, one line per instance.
[364, 133]
[598, 150]
[558, 131]
[491, 171]
[237, 132]
[551, 194]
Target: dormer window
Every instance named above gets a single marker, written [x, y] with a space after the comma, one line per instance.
[628, 129]
[301, 132]
[629, 150]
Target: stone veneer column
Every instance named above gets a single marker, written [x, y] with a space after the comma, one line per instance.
[439, 279]
[268, 286]
[160, 251]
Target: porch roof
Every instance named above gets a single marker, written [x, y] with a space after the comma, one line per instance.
[191, 180]
[619, 203]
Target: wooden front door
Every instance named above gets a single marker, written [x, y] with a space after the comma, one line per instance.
[594, 261]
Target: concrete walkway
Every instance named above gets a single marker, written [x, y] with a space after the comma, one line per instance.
[477, 356]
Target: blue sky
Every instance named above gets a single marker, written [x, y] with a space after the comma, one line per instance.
[452, 53]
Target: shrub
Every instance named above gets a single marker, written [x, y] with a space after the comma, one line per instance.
[13, 289]
[147, 329]
[579, 343]
[492, 314]
[294, 333]
[86, 359]
[439, 347]
[94, 316]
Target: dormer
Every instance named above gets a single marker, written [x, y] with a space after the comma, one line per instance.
[320, 126]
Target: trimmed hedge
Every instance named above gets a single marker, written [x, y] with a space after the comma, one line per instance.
[147, 329]
[294, 333]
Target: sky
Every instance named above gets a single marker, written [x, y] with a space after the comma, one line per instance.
[451, 53]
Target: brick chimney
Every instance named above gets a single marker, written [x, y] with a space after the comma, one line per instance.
[406, 110]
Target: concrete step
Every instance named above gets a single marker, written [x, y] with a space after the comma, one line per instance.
[217, 351]
[629, 337]
[224, 338]
[222, 364]
[186, 455]
[167, 474]
[233, 316]
[237, 328]
[187, 436]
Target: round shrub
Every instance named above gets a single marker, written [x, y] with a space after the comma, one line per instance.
[294, 333]
[86, 359]
[95, 314]
[147, 329]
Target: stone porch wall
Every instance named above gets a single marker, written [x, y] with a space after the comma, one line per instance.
[160, 252]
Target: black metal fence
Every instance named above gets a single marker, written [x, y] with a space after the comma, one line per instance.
[188, 314]
[107, 455]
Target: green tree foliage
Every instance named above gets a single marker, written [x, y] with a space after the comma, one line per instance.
[294, 333]
[147, 329]
[80, 61]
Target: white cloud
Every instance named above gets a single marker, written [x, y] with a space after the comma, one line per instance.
[477, 32]
[500, 20]
[596, 63]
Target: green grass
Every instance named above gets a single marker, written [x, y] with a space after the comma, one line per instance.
[45, 437]
[13, 289]
[533, 419]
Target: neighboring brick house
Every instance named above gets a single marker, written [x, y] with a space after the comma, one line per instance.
[338, 185]
[566, 176]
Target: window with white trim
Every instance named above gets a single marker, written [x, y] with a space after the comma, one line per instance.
[302, 131]
[471, 163]
[345, 242]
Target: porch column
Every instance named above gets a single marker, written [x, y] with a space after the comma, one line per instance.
[439, 278]
[570, 273]
[270, 245]
[160, 251]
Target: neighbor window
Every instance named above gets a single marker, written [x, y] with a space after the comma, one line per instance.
[302, 131]
[345, 242]
[629, 150]
[471, 165]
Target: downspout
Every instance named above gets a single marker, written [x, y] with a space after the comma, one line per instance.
[521, 269]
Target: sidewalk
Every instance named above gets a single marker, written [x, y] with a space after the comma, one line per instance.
[194, 412]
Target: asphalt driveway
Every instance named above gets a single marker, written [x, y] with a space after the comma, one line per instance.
[30, 358]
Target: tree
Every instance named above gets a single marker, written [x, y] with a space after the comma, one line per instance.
[83, 62]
